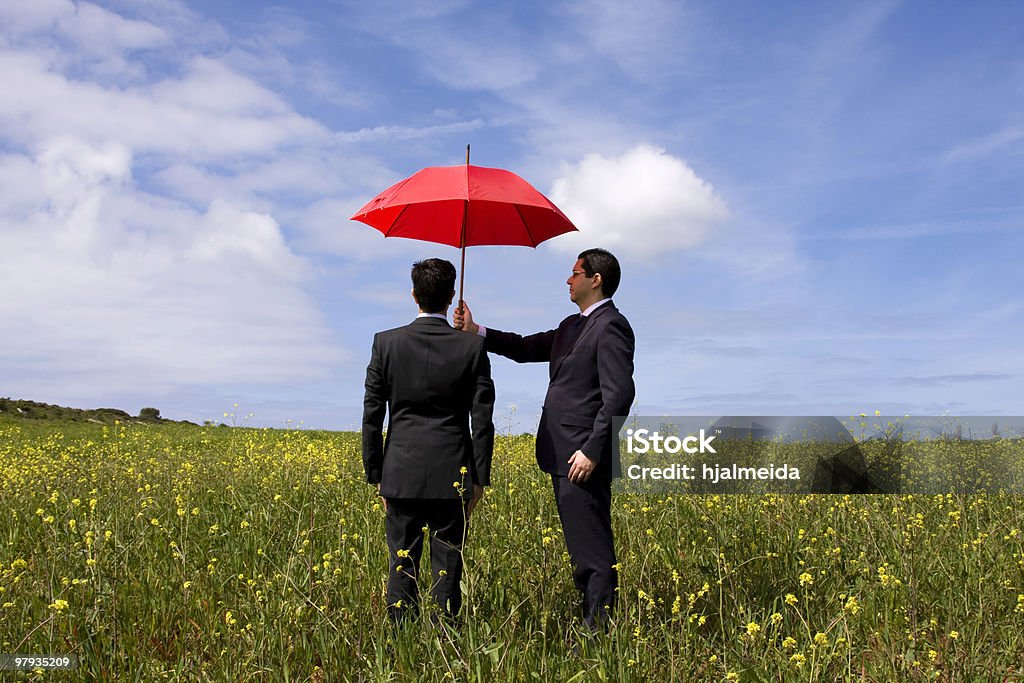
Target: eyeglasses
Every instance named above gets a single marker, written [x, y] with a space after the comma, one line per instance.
[577, 272]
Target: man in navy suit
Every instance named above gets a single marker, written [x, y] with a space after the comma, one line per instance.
[590, 357]
[430, 380]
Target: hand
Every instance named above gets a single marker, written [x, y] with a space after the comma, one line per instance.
[478, 493]
[383, 500]
[580, 467]
[462, 319]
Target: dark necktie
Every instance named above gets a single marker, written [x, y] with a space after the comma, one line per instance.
[575, 327]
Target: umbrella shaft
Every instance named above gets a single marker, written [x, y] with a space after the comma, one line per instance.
[462, 243]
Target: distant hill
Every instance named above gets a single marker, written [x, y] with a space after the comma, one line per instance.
[33, 410]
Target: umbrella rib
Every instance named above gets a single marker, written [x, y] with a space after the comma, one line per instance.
[526, 226]
[395, 221]
[394, 190]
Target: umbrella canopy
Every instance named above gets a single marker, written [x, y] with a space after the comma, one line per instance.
[464, 206]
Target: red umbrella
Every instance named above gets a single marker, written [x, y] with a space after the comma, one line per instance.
[465, 206]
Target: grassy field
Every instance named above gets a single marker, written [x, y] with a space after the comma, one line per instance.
[174, 552]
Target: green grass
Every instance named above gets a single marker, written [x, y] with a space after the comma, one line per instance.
[190, 553]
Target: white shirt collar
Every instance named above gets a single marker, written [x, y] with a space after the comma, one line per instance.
[591, 307]
[433, 315]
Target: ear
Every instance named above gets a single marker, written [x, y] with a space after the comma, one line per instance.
[413, 293]
[451, 298]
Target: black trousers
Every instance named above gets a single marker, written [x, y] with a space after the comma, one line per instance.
[403, 526]
[585, 512]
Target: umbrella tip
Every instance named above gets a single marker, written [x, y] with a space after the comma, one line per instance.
[467, 154]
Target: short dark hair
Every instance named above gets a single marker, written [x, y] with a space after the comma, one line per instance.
[602, 261]
[433, 283]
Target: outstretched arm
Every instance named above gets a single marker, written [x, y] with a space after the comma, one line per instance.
[535, 348]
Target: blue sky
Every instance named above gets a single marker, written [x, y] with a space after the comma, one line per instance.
[818, 209]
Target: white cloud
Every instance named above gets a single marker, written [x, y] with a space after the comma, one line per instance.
[112, 287]
[231, 232]
[984, 146]
[299, 175]
[326, 228]
[479, 64]
[208, 113]
[211, 86]
[143, 177]
[497, 53]
[647, 39]
[642, 203]
[90, 26]
[68, 160]
[407, 132]
[82, 36]
[28, 17]
[89, 21]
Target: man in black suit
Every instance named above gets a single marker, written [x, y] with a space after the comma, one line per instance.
[431, 470]
[590, 357]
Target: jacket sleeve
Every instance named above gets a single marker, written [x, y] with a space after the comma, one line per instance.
[374, 409]
[615, 377]
[483, 422]
[535, 348]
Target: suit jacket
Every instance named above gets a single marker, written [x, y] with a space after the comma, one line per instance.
[430, 379]
[591, 382]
